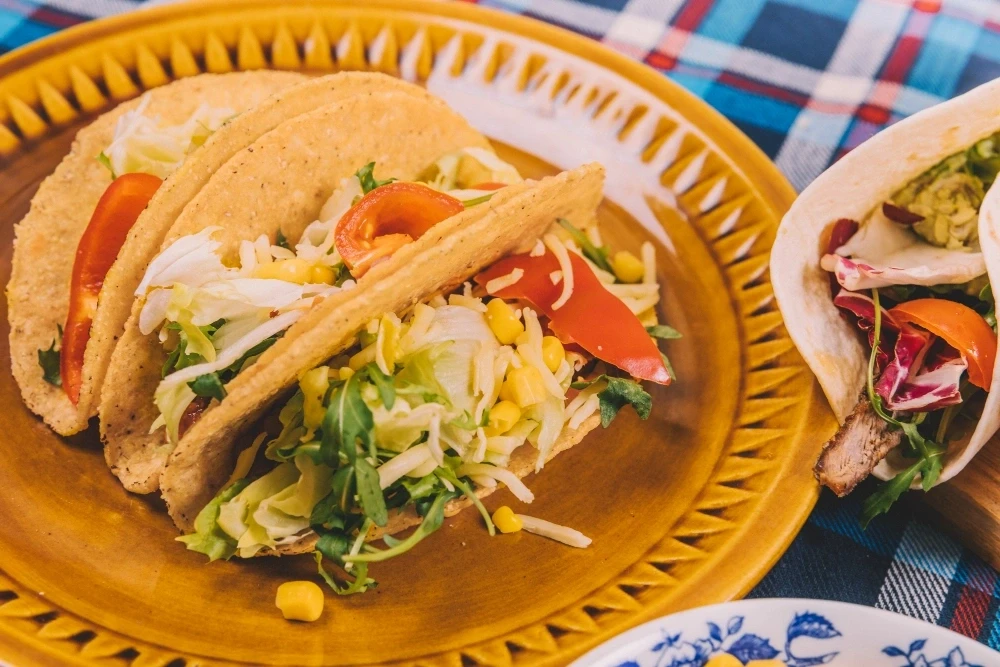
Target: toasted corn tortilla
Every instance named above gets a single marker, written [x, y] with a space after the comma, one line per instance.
[853, 188]
[115, 302]
[450, 253]
[46, 239]
[280, 181]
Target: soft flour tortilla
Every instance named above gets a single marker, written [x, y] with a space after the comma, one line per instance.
[46, 239]
[115, 302]
[280, 181]
[852, 188]
[450, 253]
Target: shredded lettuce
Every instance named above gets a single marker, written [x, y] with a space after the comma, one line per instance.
[209, 537]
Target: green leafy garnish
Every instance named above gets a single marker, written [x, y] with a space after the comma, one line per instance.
[360, 584]
[281, 241]
[209, 538]
[619, 393]
[49, 360]
[986, 296]
[366, 176]
[599, 256]
[663, 332]
[370, 492]
[929, 453]
[433, 519]
[208, 386]
[386, 389]
[469, 203]
[106, 161]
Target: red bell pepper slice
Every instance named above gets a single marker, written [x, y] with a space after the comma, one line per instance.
[593, 318]
[116, 212]
[387, 218]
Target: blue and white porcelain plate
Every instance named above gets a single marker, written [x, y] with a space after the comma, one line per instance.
[799, 633]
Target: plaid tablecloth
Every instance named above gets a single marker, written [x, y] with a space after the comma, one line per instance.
[807, 80]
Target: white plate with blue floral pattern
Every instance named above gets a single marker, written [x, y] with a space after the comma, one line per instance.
[797, 633]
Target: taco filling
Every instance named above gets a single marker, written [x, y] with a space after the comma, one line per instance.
[142, 153]
[442, 402]
[913, 279]
[215, 319]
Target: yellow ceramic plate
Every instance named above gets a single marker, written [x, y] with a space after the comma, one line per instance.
[688, 508]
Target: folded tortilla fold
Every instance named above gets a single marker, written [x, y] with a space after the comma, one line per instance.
[46, 238]
[447, 255]
[279, 181]
[852, 188]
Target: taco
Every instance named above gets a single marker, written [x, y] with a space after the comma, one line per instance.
[883, 270]
[416, 398]
[51, 297]
[294, 218]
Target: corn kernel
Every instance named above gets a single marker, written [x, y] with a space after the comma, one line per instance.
[295, 270]
[628, 268]
[503, 416]
[506, 521]
[765, 663]
[525, 386]
[345, 373]
[299, 600]
[322, 275]
[314, 384]
[724, 660]
[553, 353]
[503, 322]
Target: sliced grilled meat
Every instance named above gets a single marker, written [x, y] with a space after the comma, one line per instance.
[851, 455]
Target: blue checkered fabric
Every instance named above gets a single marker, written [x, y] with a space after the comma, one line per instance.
[807, 80]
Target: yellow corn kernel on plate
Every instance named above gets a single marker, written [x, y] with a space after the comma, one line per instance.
[690, 507]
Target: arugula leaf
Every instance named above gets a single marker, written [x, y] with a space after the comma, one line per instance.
[209, 386]
[209, 538]
[469, 203]
[50, 360]
[384, 384]
[333, 545]
[986, 295]
[106, 161]
[360, 584]
[347, 421]
[370, 492]
[281, 241]
[598, 256]
[664, 332]
[446, 473]
[888, 493]
[433, 520]
[327, 513]
[366, 175]
[619, 393]
[418, 489]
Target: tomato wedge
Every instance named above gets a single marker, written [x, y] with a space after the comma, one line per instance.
[593, 318]
[116, 212]
[961, 327]
[387, 218]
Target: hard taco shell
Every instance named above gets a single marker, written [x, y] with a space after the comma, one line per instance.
[46, 239]
[450, 253]
[281, 180]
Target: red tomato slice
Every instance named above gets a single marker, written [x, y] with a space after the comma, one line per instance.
[489, 185]
[961, 327]
[593, 318]
[388, 218]
[116, 212]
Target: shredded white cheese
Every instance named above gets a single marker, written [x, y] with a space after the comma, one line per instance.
[516, 486]
[503, 282]
[649, 262]
[538, 250]
[555, 277]
[398, 466]
[553, 243]
[470, 302]
[554, 531]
